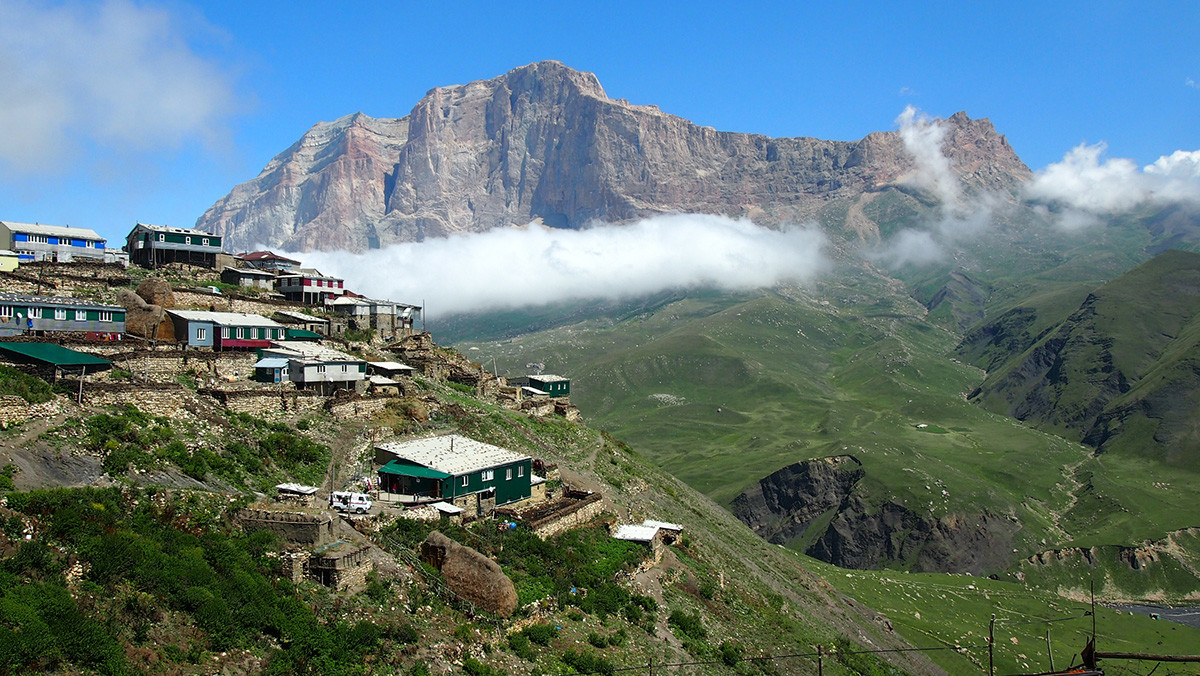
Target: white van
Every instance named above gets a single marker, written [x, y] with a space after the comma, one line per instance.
[343, 501]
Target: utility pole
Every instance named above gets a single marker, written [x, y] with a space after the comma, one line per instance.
[991, 646]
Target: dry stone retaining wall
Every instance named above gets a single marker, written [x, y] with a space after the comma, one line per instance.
[14, 409]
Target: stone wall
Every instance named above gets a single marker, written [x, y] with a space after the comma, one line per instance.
[262, 402]
[300, 527]
[171, 401]
[359, 408]
[564, 515]
[14, 409]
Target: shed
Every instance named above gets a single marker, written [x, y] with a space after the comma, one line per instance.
[271, 370]
[56, 356]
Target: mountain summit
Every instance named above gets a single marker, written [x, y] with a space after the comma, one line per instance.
[544, 143]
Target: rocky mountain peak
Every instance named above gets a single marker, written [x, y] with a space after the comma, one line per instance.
[544, 143]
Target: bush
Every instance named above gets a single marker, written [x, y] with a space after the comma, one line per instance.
[687, 624]
[31, 389]
[587, 662]
[521, 647]
[540, 634]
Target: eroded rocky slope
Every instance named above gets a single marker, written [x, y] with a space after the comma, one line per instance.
[545, 143]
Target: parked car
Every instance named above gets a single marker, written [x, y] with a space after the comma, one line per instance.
[344, 501]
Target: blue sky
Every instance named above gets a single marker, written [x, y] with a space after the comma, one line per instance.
[113, 112]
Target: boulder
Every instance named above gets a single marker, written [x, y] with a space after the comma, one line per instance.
[156, 291]
[471, 575]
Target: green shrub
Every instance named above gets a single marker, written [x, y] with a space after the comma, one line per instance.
[520, 645]
[587, 662]
[18, 383]
[540, 634]
[476, 668]
[687, 624]
[6, 477]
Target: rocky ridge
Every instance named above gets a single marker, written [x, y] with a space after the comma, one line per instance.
[544, 143]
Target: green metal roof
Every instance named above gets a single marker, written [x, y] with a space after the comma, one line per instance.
[303, 334]
[52, 354]
[397, 467]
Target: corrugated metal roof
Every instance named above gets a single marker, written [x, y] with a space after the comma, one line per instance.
[636, 533]
[226, 318]
[52, 354]
[266, 256]
[390, 366]
[54, 230]
[302, 334]
[382, 380]
[167, 228]
[300, 316]
[405, 469]
[548, 378]
[297, 488]
[271, 363]
[662, 524]
[452, 453]
[22, 299]
[306, 350]
[447, 508]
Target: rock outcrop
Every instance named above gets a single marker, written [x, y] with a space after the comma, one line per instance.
[544, 143]
[471, 575]
[814, 504]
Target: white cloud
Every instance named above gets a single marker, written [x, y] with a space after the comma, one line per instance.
[923, 137]
[1192, 83]
[955, 219]
[1083, 182]
[534, 265]
[114, 75]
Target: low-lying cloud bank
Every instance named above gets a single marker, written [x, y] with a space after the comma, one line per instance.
[535, 265]
[1084, 186]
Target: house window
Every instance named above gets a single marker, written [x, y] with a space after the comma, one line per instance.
[465, 481]
[81, 315]
[240, 333]
[520, 470]
[6, 311]
[321, 368]
[204, 241]
[162, 237]
[35, 313]
[60, 314]
[488, 474]
[225, 332]
[187, 240]
[201, 334]
[105, 316]
[344, 368]
[508, 474]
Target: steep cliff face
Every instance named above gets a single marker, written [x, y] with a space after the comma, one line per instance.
[814, 504]
[545, 143]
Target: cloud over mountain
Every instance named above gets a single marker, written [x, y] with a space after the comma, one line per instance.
[534, 265]
[1084, 185]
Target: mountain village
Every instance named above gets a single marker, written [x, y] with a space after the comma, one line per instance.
[257, 333]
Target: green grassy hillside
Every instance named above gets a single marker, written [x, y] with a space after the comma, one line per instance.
[1119, 373]
[723, 390]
